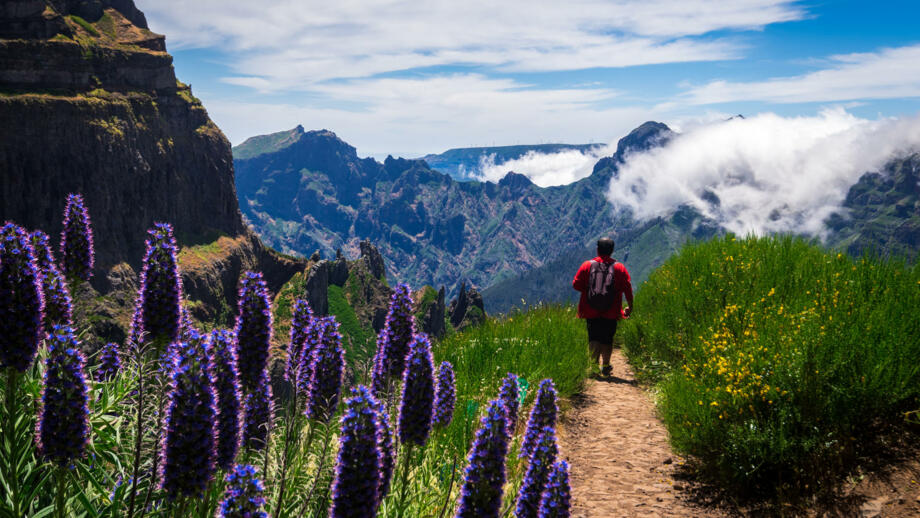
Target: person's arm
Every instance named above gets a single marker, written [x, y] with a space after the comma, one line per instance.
[627, 289]
[580, 282]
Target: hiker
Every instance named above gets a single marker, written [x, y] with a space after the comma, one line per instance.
[602, 282]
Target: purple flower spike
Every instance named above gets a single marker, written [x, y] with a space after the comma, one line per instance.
[393, 340]
[556, 501]
[385, 444]
[417, 406]
[253, 329]
[481, 496]
[54, 287]
[541, 461]
[301, 324]
[357, 474]
[77, 241]
[313, 340]
[226, 389]
[243, 497]
[445, 396]
[63, 427]
[327, 366]
[258, 414]
[189, 444]
[22, 303]
[109, 362]
[160, 294]
[509, 396]
[542, 415]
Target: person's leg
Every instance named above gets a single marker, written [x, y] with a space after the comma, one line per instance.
[607, 346]
[596, 349]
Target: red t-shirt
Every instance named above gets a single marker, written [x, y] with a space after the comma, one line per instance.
[621, 283]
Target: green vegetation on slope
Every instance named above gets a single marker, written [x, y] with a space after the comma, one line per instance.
[776, 361]
[261, 144]
[359, 341]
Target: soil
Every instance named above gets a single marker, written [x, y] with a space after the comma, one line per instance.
[622, 466]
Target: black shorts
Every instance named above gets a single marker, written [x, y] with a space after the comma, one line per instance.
[601, 329]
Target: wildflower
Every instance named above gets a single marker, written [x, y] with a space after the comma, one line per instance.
[543, 414]
[243, 497]
[416, 407]
[534, 483]
[21, 301]
[109, 362]
[357, 475]
[484, 478]
[77, 241]
[301, 323]
[556, 501]
[509, 393]
[393, 341]
[258, 414]
[63, 427]
[385, 444]
[445, 396]
[227, 392]
[189, 445]
[327, 368]
[253, 329]
[303, 371]
[54, 287]
[160, 294]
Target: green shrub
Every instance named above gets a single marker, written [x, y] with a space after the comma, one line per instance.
[774, 357]
[88, 27]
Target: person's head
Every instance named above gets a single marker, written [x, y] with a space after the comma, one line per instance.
[605, 246]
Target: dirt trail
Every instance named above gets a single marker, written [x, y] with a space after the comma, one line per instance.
[621, 462]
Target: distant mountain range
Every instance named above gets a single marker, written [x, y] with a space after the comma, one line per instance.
[466, 163]
[518, 242]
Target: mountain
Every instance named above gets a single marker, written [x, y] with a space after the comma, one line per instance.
[464, 163]
[881, 212]
[90, 104]
[315, 193]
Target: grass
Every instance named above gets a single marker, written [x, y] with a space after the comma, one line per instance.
[777, 363]
[359, 341]
[85, 25]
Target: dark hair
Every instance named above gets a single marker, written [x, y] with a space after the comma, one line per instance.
[605, 246]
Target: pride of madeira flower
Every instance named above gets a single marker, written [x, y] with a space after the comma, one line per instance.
[253, 330]
[189, 445]
[542, 415]
[481, 496]
[22, 303]
[355, 488]
[417, 403]
[77, 254]
[63, 427]
[57, 295]
[160, 294]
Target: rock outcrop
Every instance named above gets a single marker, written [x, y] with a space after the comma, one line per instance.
[467, 309]
[92, 105]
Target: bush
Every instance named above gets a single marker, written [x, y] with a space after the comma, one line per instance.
[774, 357]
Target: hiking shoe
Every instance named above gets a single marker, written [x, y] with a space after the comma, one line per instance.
[607, 370]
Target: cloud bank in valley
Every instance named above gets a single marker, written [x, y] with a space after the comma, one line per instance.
[543, 169]
[763, 174]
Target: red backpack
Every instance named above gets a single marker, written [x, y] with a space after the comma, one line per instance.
[601, 290]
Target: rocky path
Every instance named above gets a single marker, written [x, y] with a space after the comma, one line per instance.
[622, 465]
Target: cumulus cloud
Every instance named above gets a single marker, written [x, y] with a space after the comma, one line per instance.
[544, 169]
[763, 174]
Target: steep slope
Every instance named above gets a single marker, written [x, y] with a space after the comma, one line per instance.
[316, 194]
[463, 163]
[90, 104]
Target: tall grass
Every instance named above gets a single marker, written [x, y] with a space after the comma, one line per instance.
[775, 359]
[545, 342]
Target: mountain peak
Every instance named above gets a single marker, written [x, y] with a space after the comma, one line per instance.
[262, 144]
[648, 135]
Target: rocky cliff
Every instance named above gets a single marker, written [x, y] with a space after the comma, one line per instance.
[89, 103]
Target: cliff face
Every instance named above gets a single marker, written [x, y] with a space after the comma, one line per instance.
[89, 103]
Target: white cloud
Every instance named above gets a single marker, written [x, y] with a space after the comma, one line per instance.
[886, 74]
[544, 169]
[290, 44]
[769, 173]
[413, 117]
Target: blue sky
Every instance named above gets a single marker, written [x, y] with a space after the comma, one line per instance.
[411, 78]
